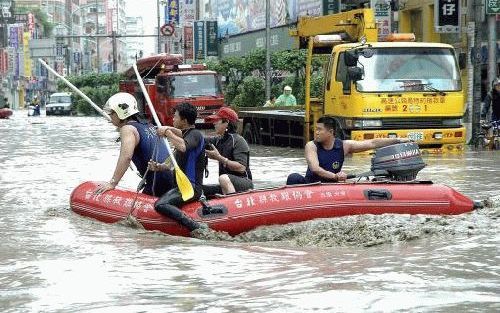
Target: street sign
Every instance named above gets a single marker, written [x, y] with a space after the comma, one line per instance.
[492, 6]
[447, 16]
[167, 30]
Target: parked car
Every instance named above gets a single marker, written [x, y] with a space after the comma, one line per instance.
[60, 103]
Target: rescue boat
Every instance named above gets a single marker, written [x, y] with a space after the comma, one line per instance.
[238, 213]
[5, 113]
[242, 212]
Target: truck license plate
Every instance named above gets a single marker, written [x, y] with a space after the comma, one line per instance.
[416, 136]
[200, 121]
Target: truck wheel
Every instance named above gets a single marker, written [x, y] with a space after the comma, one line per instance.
[248, 134]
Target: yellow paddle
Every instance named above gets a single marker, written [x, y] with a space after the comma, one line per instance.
[183, 182]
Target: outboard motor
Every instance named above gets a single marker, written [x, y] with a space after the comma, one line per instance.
[400, 162]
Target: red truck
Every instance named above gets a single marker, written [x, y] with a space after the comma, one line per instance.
[170, 82]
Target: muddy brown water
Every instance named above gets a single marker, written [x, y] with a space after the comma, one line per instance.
[52, 260]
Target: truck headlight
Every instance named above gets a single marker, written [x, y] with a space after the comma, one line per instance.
[452, 122]
[367, 123]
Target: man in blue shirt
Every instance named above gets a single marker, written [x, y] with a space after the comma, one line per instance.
[139, 144]
[325, 154]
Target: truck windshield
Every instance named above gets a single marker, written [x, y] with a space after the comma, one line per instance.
[180, 86]
[60, 99]
[410, 69]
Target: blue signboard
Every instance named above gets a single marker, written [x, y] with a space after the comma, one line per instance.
[211, 36]
[199, 40]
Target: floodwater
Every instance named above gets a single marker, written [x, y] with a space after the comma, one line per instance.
[52, 260]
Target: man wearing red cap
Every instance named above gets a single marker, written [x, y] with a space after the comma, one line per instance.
[231, 151]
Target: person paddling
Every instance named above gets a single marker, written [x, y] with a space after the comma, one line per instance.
[139, 144]
[325, 154]
[190, 155]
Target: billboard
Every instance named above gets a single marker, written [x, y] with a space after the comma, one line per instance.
[309, 8]
[241, 16]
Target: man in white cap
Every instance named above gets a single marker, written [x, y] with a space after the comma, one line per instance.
[286, 99]
[139, 144]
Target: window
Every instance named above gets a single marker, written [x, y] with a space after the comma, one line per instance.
[409, 69]
[182, 86]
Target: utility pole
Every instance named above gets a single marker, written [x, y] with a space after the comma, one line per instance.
[115, 68]
[492, 48]
[113, 34]
[268, 49]
[158, 25]
[97, 38]
[478, 14]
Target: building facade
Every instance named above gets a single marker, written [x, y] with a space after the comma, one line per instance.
[134, 50]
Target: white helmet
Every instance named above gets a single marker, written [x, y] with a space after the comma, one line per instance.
[123, 104]
[287, 88]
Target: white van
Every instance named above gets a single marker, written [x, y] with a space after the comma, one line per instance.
[60, 103]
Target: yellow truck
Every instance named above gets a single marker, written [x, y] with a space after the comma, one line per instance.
[395, 88]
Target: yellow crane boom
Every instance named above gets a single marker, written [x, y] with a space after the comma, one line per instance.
[354, 24]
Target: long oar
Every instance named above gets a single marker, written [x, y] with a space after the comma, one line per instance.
[98, 109]
[183, 182]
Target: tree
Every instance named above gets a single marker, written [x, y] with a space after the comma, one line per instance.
[237, 69]
[98, 87]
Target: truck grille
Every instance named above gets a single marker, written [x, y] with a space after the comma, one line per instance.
[412, 123]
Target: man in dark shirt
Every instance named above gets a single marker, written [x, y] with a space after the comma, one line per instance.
[189, 147]
[231, 151]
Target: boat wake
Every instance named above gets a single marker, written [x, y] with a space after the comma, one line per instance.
[370, 230]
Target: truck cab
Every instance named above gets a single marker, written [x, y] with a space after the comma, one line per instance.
[405, 89]
[169, 83]
[200, 88]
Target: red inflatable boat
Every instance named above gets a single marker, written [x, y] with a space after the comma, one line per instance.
[245, 211]
[5, 113]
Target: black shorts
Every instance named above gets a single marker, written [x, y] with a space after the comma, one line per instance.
[240, 184]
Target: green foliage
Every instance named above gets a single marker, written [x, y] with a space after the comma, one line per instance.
[239, 71]
[317, 85]
[292, 61]
[98, 87]
[251, 93]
